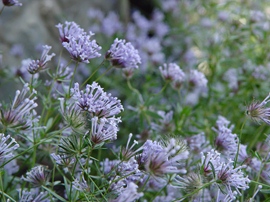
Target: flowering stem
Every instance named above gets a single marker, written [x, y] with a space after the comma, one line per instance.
[104, 73]
[72, 79]
[256, 136]
[85, 82]
[54, 194]
[1, 184]
[163, 88]
[135, 90]
[2, 9]
[238, 147]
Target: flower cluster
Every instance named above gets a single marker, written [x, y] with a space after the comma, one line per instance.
[226, 142]
[38, 65]
[78, 43]
[123, 55]
[173, 73]
[21, 114]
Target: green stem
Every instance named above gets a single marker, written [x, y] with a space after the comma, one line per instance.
[256, 137]
[9, 197]
[85, 82]
[72, 79]
[135, 90]
[54, 194]
[1, 184]
[239, 139]
[163, 88]
[104, 73]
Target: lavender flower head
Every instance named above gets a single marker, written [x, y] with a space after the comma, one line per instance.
[258, 112]
[21, 114]
[226, 142]
[95, 101]
[38, 65]
[232, 178]
[70, 29]
[129, 194]
[7, 146]
[172, 73]
[11, 3]
[103, 130]
[164, 159]
[81, 47]
[37, 176]
[197, 78]
[123, 55]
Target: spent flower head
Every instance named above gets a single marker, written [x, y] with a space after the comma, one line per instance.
[189, 183]
[11, 3]
[36, 66]
[258, 112]
[123, 55]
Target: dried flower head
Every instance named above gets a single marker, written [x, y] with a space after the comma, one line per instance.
[189, 183]
[39, 65]
[37, 176]
[122, 54]
[258, 112]
[11, 3]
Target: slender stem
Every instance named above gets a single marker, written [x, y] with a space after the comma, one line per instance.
[2, 9]
[104, 73]
[72, 79]
[256, 137]
[239, 139]
[85, 82]
[31, 83]
[2, 187]
[135, 90]
[163, 88]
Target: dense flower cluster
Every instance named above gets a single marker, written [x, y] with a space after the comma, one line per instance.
[78, 43]
[123, 55]
[181, 150]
